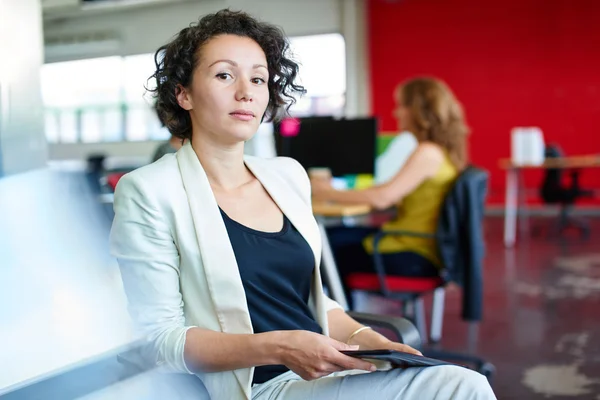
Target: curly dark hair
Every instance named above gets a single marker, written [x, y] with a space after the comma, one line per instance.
[176, 61]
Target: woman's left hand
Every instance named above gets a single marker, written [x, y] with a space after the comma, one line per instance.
[402, 347]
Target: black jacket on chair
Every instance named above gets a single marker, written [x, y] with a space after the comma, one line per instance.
[460, 238]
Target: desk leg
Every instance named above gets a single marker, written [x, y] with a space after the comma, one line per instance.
[330, 270]
[510, 206]
[522, 209]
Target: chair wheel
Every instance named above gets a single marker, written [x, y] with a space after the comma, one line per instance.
[488, 370]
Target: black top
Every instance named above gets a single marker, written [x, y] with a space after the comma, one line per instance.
[276, 270]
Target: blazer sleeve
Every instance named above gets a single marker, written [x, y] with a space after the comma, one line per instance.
[301, 180]
[143, 245]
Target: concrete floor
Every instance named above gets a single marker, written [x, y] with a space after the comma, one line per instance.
[541, 324]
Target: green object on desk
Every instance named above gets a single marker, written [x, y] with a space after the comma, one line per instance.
[350, 181]
[360, 181]
[383, 141]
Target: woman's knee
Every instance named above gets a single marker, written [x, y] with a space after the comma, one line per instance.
[469, 384]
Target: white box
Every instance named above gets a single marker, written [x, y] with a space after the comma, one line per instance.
[527, 146]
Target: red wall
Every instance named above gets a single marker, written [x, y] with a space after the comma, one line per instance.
[511, 63]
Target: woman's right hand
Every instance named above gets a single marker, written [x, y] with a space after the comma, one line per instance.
[312, 355]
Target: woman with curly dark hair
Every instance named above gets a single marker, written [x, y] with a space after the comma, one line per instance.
[219, 253]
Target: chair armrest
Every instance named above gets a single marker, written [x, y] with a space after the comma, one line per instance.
[405, 330]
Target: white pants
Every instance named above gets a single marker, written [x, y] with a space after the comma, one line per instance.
[430, 383]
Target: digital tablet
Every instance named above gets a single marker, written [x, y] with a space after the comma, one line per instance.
[396, 358]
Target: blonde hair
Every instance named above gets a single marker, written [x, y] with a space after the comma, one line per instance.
[436, 116]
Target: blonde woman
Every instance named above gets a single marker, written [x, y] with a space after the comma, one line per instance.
[427, 108]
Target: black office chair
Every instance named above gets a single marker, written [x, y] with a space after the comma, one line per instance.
[460, 241]
[94, 171]
[554, 191]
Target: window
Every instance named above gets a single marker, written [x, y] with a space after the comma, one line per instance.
[105, 100]
[322, 61]
[100, 100]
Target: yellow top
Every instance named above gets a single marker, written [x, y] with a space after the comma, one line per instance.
[418, 212]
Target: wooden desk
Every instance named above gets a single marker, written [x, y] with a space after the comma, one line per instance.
[515, 198]
[322, 211]
[340, 210]
[575, 162]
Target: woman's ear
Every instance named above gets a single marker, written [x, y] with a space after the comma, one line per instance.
[183, 98]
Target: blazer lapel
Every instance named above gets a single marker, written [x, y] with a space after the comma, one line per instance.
[218, 258]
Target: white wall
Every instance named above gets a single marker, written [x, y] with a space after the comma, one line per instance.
[22, 140]
[143, 30]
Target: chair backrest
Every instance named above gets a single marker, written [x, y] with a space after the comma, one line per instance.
[462, 213]
[95, 163]
[460, 237]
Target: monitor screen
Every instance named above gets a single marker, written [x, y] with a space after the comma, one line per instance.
[346, 146]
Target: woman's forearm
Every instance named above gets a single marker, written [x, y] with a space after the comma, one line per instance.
[210, 351]
[376, 197]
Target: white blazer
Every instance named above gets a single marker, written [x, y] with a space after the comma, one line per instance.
[177, 264]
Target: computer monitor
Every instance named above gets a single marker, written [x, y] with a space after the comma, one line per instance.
[283, 142]
[345, 146]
